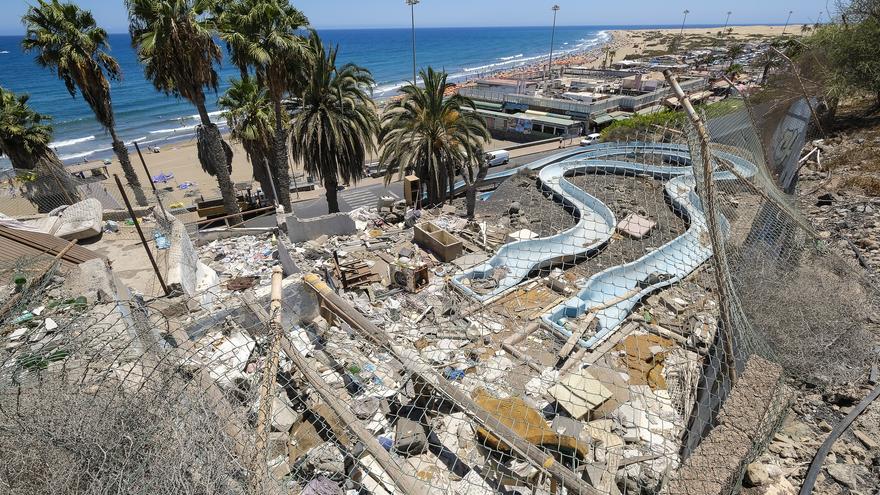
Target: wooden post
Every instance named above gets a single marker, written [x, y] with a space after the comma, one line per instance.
[718, 257]
[137, 225]
[413, 364]
[259, 469]
[407, 483]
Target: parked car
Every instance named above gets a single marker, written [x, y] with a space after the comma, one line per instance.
[500, 157]
[590, 139]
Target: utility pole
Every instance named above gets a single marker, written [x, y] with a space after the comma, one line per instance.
[552, 42]
[686, 12]
[786, 21]
[726, 21]
[412, 6]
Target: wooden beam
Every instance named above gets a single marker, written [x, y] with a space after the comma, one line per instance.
[407, 483]
[412, 363]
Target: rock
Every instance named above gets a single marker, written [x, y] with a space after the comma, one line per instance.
[844, 474]
[514, 208]
[756, 475]
[411, 437]
[866, 440]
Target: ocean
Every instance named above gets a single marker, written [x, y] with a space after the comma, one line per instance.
[151, 118]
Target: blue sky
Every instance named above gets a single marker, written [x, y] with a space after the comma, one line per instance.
[442, 13]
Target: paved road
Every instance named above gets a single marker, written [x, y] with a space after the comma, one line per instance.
[349, 199]
[368, 195]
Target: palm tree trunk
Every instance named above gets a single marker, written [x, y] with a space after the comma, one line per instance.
[215, 157]
[471, 199]
[330, 187]
[127, 168]
[281, 170]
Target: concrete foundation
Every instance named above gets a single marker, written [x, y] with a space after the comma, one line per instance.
[747, 421]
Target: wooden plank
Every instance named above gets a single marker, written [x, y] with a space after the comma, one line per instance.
[407, 483]
[412, 362]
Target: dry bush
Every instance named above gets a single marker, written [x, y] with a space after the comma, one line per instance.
[57, 437]
[811, 314]
[869, 185]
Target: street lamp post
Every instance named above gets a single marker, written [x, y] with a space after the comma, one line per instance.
[552, 42]
[412, 6]
[726, 22]
[681, 33]
[786, 21]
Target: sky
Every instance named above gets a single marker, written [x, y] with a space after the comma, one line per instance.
[327, 14]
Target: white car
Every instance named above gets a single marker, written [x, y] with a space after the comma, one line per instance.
[500, 157]
[590, 139]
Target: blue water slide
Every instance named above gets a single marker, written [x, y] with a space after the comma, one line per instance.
[596, 223]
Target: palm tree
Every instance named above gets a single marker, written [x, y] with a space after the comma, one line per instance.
[252, 121]
[335, 126]
[263, 34]
[24, 137]
[431, 134]
[733, 52]
[174, 42]
[67, 39]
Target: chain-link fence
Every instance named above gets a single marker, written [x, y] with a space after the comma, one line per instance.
[629, 317]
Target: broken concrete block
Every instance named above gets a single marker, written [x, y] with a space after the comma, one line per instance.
[279, 468]
[411, 437]
[283, 417]
[324, 486]
[674, 303]
[580, 393]
[94, 281]
[636, 226]
[567, 426]
[336, 224]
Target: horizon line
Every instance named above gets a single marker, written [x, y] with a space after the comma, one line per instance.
[609, 26]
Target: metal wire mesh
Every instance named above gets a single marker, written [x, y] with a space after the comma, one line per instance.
[620, 318]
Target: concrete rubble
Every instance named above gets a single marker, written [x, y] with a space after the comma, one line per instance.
[618, 415]
[627, 408]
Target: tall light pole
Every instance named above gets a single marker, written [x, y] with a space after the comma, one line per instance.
[552, 42]
[726, 21]
[412, 7]
[681, 33]
[786, 21]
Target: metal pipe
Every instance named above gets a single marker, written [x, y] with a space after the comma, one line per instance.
[144, 163]
[140, 232]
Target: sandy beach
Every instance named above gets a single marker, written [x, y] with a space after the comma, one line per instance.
[181, 160]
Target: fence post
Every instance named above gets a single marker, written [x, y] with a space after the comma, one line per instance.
[718, 252]
[264, 413]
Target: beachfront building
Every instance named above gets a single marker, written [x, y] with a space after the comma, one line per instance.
[529, 125]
